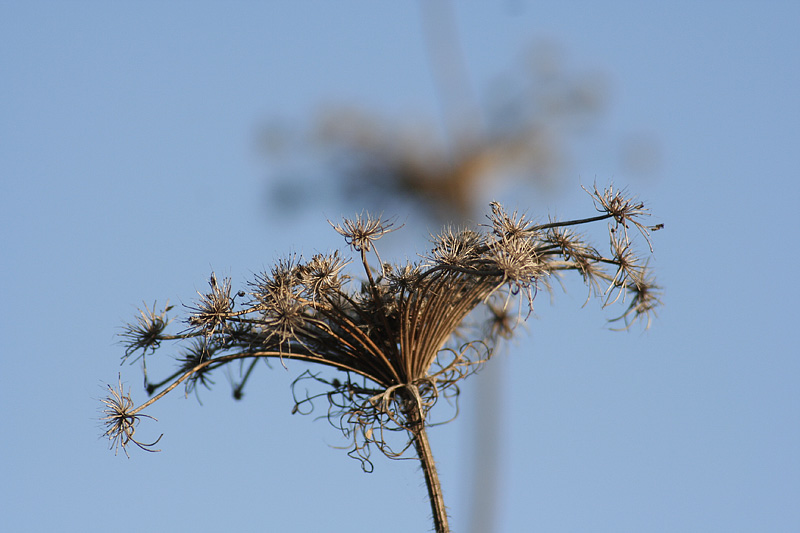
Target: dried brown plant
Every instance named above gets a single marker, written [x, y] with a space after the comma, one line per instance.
[521, 133]
[402, 339]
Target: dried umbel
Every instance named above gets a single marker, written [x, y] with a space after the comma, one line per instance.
[404, 337]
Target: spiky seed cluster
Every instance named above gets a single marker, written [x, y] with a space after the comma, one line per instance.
[321, 275]
[361, 232]
[517, 258]
[402, 279]
[623, 209]
[506, 226]
[644, 302]
[146, 333]
[401, 336]
[193, 356]
[455, 247]
[121, 420]
[214, 308]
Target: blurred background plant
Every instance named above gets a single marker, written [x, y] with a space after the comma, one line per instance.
[523, 135]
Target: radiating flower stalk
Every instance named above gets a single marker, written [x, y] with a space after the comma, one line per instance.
[401, 339]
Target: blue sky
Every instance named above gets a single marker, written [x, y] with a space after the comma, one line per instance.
[128, 170]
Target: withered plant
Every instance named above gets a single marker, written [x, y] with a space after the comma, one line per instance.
[522, 135]
[401, 339]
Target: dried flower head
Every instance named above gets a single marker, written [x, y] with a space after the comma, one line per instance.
[455, 247]
[121, 420]
[402, 279]
[198, 351]
[321, 275]
[623, 209]
[362, 231]
[405, 336]
[147, 333]
[508, 226]
[213, 309]
[645, 300]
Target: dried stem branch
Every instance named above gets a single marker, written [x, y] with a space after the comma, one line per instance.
[425, 455]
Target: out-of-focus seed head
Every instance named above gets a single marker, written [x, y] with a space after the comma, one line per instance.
[629, 267]
[646, 298]
[199, 350]
[402, 279]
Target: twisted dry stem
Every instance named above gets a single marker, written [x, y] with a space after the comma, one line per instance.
[402, 340]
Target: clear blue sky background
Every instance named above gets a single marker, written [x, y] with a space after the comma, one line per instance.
[128, 171]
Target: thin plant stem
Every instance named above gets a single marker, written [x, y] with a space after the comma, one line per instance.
[425, 455]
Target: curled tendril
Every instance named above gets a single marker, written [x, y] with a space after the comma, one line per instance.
[370, 416]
